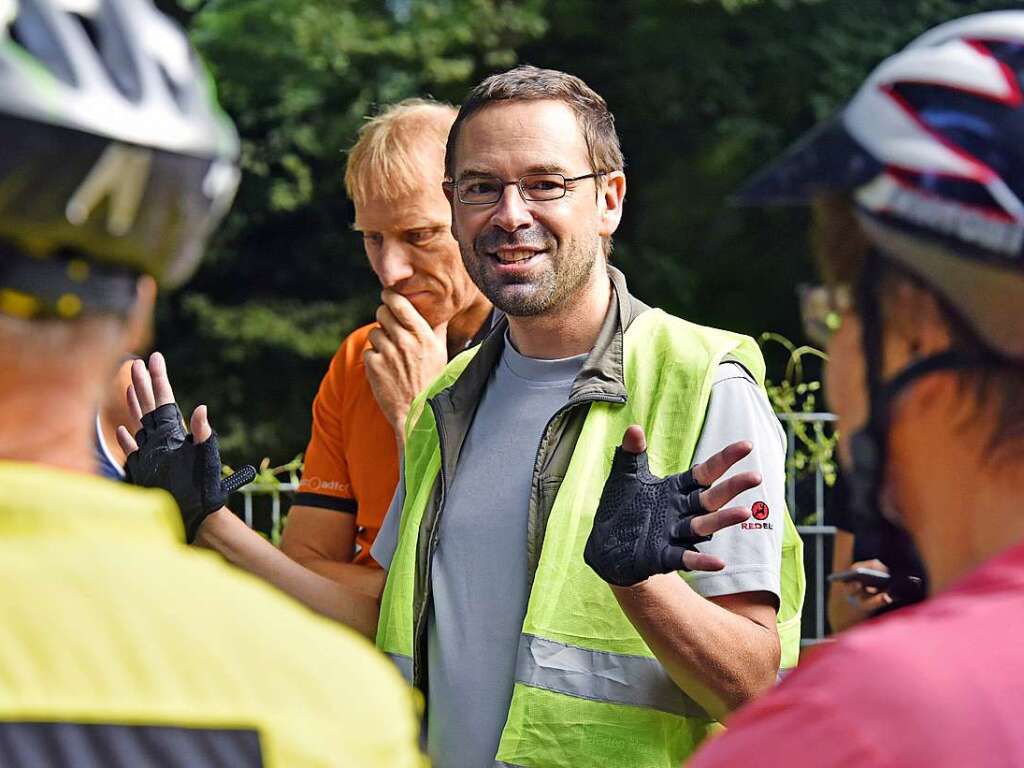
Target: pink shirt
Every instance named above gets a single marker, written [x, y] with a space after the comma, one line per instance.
[937, 685]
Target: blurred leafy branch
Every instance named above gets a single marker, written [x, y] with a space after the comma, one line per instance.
[268, 482]
[814, 440]
[703, 91]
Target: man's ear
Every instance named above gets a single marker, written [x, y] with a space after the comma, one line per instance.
[449, 192]
[611, 195]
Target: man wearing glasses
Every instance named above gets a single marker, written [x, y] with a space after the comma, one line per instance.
[430, 311]
[504, 536]
[496, 603]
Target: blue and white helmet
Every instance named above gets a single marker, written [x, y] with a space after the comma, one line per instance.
[114, 147]
[931, 149]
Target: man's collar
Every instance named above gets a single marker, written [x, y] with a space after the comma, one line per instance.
[486, 327]
[42, 501]
[602, 373]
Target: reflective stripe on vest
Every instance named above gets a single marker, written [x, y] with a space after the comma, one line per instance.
[616, 678]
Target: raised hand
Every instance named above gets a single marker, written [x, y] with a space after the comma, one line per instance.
[163, 455]
[647, 525]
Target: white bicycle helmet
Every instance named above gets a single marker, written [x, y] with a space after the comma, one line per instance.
[931, 149]
[117, 159]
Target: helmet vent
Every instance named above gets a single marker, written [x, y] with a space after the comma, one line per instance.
[32, 32]
[15, 36]
[89, 27]
[177, 93]
[112, 53]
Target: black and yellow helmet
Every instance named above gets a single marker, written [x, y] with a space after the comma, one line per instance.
[116, 161]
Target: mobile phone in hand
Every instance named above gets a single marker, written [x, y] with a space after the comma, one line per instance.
[868, 577]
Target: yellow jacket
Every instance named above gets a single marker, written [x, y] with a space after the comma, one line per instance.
[119, 646]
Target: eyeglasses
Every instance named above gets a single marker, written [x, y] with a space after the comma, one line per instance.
[534, 187]
[821, 310]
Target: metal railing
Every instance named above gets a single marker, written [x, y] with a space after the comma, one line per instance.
[816, 530]
[814, 533]
[248, 512]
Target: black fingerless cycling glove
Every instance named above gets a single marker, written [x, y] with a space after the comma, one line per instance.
[643, 523]
[168, 458]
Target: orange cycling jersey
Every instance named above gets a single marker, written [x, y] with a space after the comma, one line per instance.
[352, 458]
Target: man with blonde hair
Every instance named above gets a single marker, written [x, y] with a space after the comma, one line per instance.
[430, 310]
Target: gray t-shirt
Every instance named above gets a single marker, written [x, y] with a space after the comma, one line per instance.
[479, 576]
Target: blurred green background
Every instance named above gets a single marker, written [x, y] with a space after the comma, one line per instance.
[703, 93]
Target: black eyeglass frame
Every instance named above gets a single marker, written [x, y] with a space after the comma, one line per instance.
[518, 183]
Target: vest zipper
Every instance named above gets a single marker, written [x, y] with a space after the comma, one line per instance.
[434, 532]
[441, 440]
[534, 500]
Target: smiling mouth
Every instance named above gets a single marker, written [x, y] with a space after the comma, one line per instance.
[514, 256]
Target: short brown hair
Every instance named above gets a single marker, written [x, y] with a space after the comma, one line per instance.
[386, 160]
[529, 83]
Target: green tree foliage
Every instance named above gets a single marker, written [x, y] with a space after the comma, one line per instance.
[704, 92]
[252, 334]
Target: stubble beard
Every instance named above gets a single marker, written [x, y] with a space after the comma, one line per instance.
[567, 270]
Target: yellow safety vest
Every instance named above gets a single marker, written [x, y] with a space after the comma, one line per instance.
[122, 647]
[588, 691]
